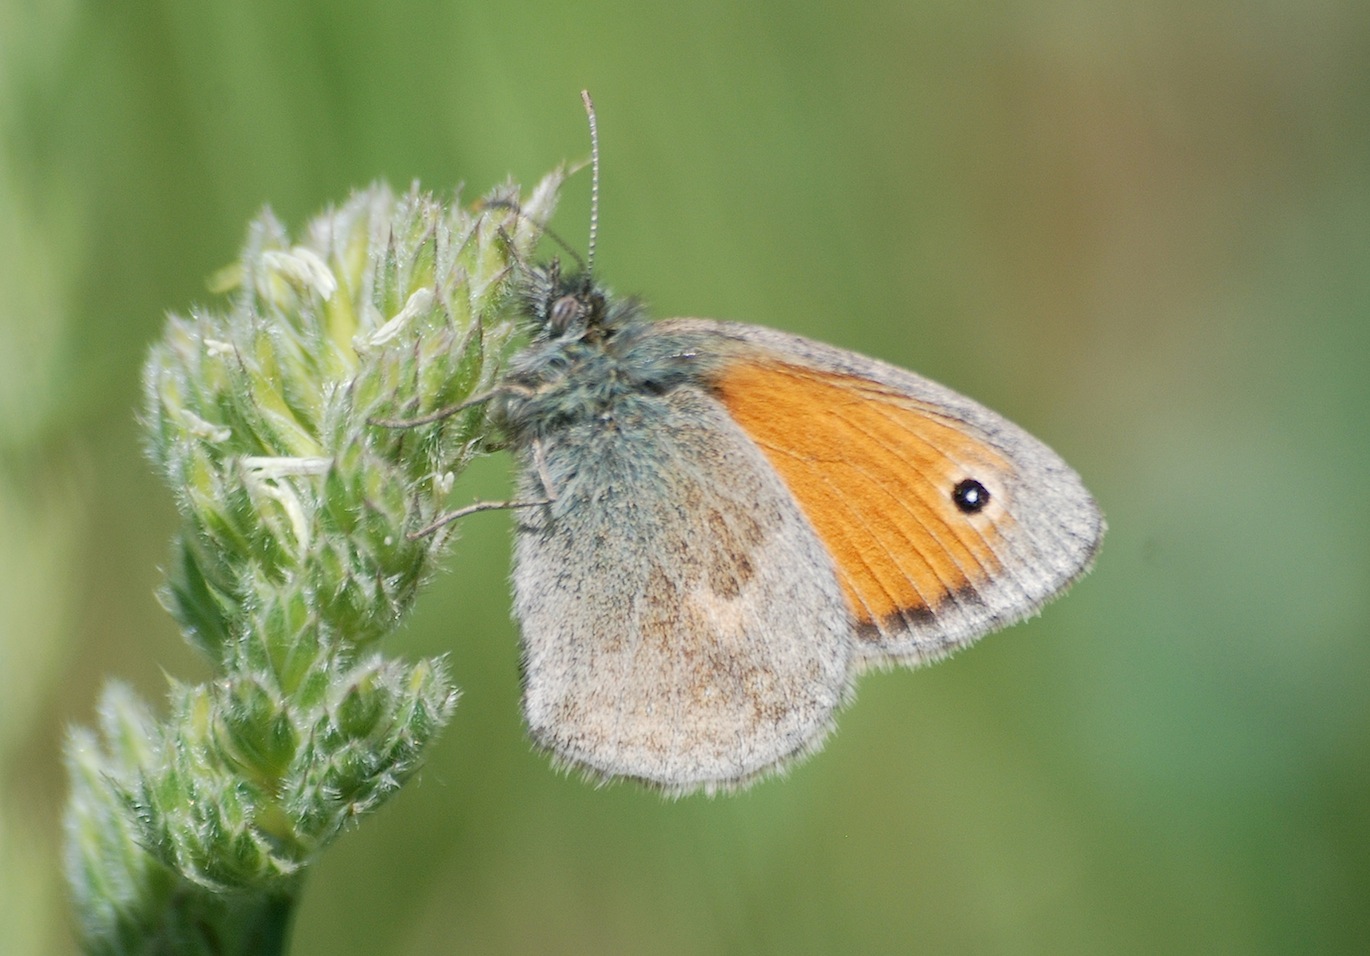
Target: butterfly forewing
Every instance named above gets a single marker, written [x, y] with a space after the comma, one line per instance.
[874, 456]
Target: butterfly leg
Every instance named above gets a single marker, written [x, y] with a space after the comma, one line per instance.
[472, 508]
[436, 416]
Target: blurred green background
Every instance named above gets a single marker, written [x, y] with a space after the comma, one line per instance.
[1142, 231]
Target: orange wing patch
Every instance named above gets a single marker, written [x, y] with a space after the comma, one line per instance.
[873, 469]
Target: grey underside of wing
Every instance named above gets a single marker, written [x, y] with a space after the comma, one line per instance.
[681, 622]
[1052, 526]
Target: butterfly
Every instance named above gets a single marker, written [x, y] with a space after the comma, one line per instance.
[724, 525]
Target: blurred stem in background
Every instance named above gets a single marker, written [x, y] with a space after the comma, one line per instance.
[294, 558]
[42, 511]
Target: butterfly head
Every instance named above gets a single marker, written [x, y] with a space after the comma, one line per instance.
[572, 308]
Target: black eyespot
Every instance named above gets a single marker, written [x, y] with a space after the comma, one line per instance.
[970, 496]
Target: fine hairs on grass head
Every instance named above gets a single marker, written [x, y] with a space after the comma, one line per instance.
[306, 533]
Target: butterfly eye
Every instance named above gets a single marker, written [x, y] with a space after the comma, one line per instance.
[564, 311]
[970, 496]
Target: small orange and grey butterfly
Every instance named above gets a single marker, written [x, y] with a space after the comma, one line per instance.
[739, 521]
[735, 522]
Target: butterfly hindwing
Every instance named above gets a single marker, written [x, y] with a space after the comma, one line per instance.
[681, 620]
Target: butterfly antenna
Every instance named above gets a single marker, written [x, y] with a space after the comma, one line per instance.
[594, 179]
